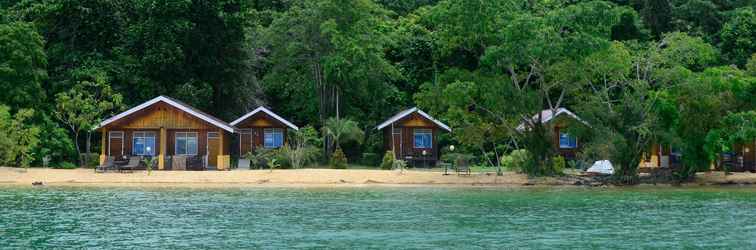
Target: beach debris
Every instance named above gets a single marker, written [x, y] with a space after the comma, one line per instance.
[38, 183]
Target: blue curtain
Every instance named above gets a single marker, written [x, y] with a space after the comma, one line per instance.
[567, 141]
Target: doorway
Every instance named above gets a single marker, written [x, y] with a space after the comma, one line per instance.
[213, 149]
[115, 144]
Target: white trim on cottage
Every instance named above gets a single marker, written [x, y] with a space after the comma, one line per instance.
[266, 111]
[175, 104]
[405, 113]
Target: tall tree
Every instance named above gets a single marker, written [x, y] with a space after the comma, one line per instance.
[18, 138]
[738, 36]
[84, 106]
[22, 66]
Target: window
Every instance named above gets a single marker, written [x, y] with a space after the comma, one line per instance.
[567, 141]
[143, 144]
[423, 138]
[186, 143]
[273, 137]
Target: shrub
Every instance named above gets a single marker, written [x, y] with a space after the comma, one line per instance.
[518, 160]
[558, 163]
[94, 159]
[302, 148]
[370, 159]
[17, 138]
[259, 157]
[281, 158]
[388, 160]
[338, 159]
[65, 165]
[400, 164]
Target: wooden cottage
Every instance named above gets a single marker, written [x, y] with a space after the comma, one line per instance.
[182, 137]
[413, 136]
[660, 156]
[566, 144]
[742, 157]
[261, 128]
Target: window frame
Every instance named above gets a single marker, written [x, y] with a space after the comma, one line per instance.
[273, 132]
[186, 135]
[569, 139]
[422, 131]
[143, 135]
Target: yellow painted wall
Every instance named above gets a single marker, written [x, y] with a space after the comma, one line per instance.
[417, 121]
[261, 122]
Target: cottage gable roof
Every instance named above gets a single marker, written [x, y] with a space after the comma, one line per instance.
[268, 112]
[175, 103]
[407, 112]
[547, 116]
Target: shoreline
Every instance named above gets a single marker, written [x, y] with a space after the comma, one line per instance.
[319, 178]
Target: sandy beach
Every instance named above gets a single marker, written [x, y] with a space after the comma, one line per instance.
[304, 178]
[298, 177]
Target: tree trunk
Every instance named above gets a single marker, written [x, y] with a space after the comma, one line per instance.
[78, 149]
[88, 146]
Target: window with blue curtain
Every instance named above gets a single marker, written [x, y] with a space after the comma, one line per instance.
[567, 141]
[423, 138]
[143, 144]
[186, 143]
[273, 138]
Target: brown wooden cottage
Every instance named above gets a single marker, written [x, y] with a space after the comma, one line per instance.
[742, 157]
[261, 128]
[182, 137]
[413, 136]
[566, 144]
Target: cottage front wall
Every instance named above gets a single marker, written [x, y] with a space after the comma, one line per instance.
[164, 121]
[404, 144]
[251, 131]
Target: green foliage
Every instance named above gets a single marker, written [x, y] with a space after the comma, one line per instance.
[686, 51]
[22, 65]
[273, 164]
[557, 165]
[400, 165]
[338, 159]
[86, 103]
[640, 71]
[738, 35]
[93, 160]
[710, 112]
[329, 54]
[751, 66]
[341, 131]
[259, 157]
[370, 159]
[388, 160]
[65, 165]
[518, 160]
[302, 147]
[54, 142]
[17, 138]
[150, 162]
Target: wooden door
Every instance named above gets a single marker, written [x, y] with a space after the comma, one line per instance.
[115, 144]
[397, 141]
[213, 148]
